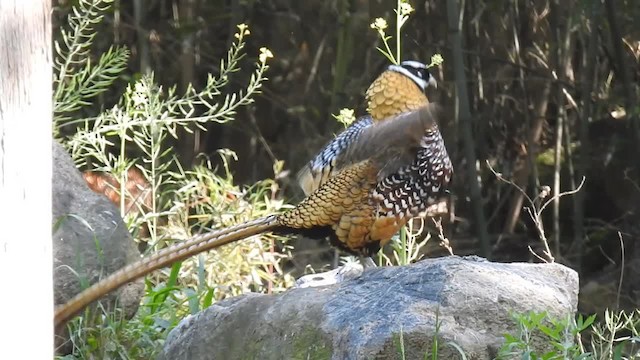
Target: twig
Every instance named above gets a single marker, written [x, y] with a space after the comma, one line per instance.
[314, 66]
[536, 255]
[621, 271]
[535, 211]
[570, 192]
[444, 242]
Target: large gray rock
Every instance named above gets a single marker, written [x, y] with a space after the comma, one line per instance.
[361, 318]
[90, 239]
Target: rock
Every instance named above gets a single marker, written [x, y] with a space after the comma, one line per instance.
[362, 318]
[90, 239]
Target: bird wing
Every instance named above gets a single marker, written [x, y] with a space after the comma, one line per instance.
[320, 168]
[408, 152]
[412, 160]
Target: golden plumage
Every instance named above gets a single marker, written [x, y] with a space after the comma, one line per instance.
[393, 93]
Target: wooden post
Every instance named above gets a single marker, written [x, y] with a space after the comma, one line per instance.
[26, 303]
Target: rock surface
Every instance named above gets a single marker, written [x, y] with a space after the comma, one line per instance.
[363, 318]
[90, 239]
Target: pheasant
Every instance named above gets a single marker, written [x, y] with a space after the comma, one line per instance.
[387, 173]
[398, 89]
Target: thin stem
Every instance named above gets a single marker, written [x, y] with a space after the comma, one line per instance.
[403, 244]
[391, 57]
[123, 182]
[398, 26]
[155, 135]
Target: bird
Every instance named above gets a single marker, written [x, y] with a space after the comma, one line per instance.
[390, 172]
[400, 88]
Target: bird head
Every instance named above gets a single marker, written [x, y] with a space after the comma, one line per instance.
[416, 71]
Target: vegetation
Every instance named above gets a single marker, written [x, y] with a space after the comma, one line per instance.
[183, 202]
[614, 338]
[112, 114]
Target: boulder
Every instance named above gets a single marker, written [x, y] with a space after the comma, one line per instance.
[90, 239]
[363, 318]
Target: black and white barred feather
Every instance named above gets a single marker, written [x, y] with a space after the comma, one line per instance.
[320, 168]
[408, 151]
[411, 189]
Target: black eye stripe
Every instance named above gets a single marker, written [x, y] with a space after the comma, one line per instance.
[419, 72]
[415, 71]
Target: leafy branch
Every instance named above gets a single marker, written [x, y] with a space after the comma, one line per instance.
[77, 79]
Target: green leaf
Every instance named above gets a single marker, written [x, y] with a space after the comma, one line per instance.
[583, 325]
[208, 298]
[552, 333]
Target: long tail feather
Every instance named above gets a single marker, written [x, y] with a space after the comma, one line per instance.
[159, 260]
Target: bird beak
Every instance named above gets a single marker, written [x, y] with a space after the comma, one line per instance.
[432, 82]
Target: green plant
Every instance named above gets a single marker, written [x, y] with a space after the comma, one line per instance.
[145, 117]
[183, 202]
[434, 350]
[78, 79]
[406, 245]
[562, 338]
[618, 337]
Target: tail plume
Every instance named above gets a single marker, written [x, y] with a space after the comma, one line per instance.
[162, 258]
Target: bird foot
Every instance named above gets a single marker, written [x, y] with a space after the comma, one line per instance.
[350, 270]
[368, 262]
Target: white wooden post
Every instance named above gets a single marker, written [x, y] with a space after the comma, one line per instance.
[26, 284]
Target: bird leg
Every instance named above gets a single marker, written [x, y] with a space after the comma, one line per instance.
[367, 262]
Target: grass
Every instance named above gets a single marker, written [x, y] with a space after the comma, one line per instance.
[193, 285]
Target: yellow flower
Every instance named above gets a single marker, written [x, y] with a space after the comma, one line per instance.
[244, 31]
[379, 24]
[265, 54]
[346, 116]
[436, 60]
[406, 8]
[346, 112]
